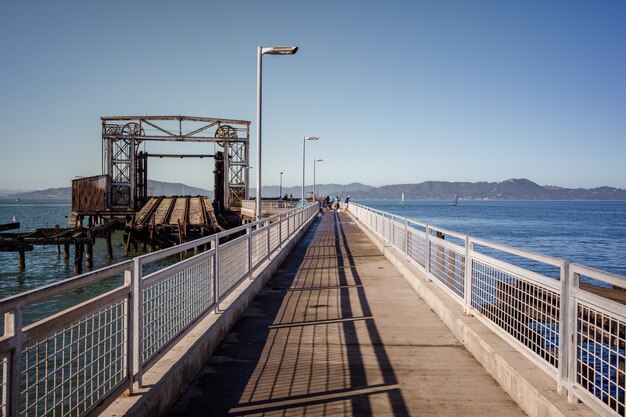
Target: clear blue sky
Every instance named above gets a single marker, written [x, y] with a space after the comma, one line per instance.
[399, 92]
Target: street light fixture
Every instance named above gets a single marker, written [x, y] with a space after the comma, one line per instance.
[314, 163]
[274, 50]
[304, 139]
[280, 193]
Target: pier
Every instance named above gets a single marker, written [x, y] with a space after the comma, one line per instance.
[338, 331]
[353, 313]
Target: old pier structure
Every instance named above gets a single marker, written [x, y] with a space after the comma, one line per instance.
[119, 198]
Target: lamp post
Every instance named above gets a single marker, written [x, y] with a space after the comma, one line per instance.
[315, 161]
[274, 50]
[304, 139]
[280, 193]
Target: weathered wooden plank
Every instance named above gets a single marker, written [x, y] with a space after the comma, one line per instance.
[10, 226]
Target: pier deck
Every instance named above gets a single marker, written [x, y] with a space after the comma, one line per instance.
[338, 331]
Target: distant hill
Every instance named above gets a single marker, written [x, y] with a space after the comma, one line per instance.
[154, 188]
[512, 189]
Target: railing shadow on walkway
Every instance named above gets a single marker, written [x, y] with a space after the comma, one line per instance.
[298, 348]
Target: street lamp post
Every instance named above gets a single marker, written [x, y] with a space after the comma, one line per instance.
[274, 50]
[304, 139]
[314, 162]
[280, 193]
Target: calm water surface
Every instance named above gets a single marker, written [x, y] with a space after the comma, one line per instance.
[592, 233]
[43, 265]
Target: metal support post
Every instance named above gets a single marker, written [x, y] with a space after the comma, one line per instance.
[428, 253]
[216, 271]
[469, 247]
[136, 312]
[406, 236]
[249, 235]
[12, 370]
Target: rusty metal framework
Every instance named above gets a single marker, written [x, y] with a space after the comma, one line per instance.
[127, 166]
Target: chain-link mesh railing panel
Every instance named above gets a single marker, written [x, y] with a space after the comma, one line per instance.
[292, 223]
[524, 309]
[173, 302]
[284, 233]
[399, 235]
[387, 229]
[259, 246]
[448, 267]
[417, 247]
[233, 265]
[274, 236]
[600, 359]
[70, 371]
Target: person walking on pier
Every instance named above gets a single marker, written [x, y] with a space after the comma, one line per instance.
[346, 202]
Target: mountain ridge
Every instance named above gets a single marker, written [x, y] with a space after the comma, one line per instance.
[511, 189]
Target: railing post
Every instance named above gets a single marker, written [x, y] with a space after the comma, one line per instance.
[269, 246]
[130, 329]
[469, 247]
[566, 332]
[428, 243]
[13, 327]
[406, 236]
[216, 270]
[137, 323]
[249, 234]
[280, 231]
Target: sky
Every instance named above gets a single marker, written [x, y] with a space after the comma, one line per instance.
[398, 91]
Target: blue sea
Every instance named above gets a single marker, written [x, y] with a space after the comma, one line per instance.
[44, 264]
[592, 233]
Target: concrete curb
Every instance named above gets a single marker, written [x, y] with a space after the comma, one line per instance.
[531, 388]
[166, 379]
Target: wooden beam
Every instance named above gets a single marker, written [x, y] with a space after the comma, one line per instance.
[10, 226]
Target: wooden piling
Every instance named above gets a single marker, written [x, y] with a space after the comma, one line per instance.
[109, 246]
[89, 255]
[21, 259]
[78, 258]
[66, 250]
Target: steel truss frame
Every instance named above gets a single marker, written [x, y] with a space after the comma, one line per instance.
[122, 135]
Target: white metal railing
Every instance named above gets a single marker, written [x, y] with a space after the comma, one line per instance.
[269, 204]
[79, 359]
[575, 332]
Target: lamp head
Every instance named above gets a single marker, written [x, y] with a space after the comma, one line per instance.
[279, 50]
[311, 138]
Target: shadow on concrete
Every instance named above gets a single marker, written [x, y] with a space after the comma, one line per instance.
[298, 348]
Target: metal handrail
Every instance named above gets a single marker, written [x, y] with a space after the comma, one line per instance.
[113, 322]
[574, 335]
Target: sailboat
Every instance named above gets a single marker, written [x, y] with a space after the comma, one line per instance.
[455, 202]
[19, 192]
[402, 200]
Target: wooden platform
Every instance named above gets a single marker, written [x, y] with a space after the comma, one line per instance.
[167, 221]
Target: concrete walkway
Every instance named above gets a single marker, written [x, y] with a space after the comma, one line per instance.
[338, 331]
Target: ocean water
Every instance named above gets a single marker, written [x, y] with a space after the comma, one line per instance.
[44, 265]
[591, 233]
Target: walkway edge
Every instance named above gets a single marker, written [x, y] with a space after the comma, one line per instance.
[164, 381]
[531, 388]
